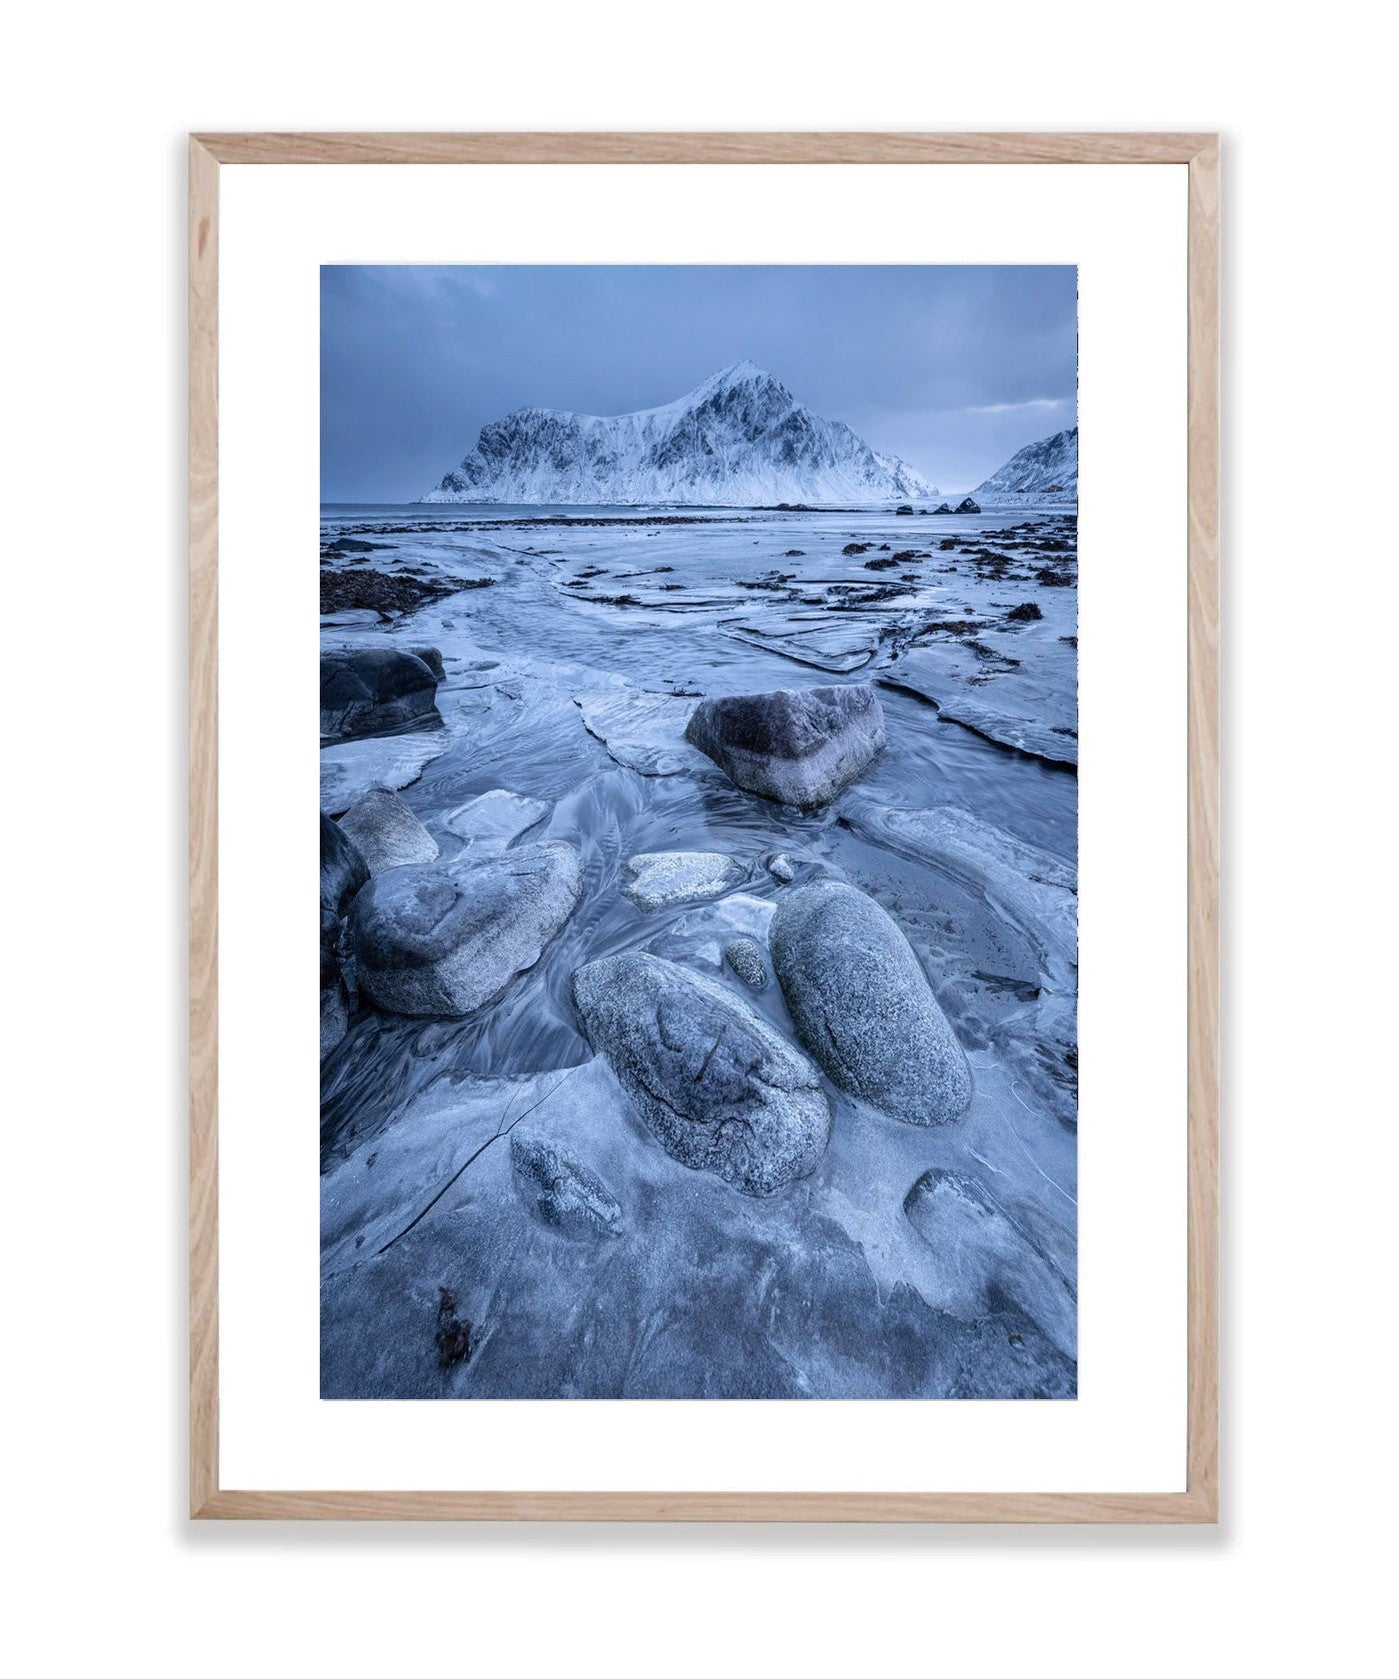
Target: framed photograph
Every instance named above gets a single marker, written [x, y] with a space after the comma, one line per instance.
[765, 813]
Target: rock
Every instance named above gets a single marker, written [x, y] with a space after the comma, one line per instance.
[985, 1258]
[352, 767]
[335, 1016]
[862, 1005]
[559, 1190]
[353, 545]
[343, 873]
[855, 548]
[660, 878]
[781, 867]
[745, 957]
[386, 832]
[493, 821]
[967, 505]
[904, 509]
[372, 690]
[721, 1091]
[942, 508]
[432, 658]
[343, 869]
[797, 746]
[1026, 613]
[444, 938]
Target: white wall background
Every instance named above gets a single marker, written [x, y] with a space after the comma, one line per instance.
[98, 100]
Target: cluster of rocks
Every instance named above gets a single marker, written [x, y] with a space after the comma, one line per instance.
[715, 1083]
[401, 928]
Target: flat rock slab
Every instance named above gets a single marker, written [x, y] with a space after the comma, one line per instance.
[445, 938]
[715, 1084]
[645, 732]
[863, 1006]
[352, 768]
[661, 878]
[493, 821]
[1021, 734]
[797, 746]
[386, 833]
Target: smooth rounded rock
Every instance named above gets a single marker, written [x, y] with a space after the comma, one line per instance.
[862, 1005]
[370, 690]
[386, 832]
[798, 746]
[745, 957]
[442, 939]
[715, 1084]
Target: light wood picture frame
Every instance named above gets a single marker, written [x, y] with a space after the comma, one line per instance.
[1199, 153]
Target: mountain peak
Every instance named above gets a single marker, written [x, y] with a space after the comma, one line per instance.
[739, 438]
[1047, 468]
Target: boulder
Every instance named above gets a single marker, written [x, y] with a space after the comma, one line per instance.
[386, 832]
[797, 746]
[904, 508]
[373, 690]
[661, 878]
[862, 1005]
[720, 1090]
[559, 1190]
[432, 658]
[942, 508]
[967, 505]
[444, 938]
[745, 957]
[343, 869]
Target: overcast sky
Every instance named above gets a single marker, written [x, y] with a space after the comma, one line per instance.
[954, 369]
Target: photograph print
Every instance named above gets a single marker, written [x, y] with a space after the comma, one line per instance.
[698, 815]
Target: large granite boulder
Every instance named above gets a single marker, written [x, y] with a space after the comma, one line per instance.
[862, 1005]
[800, 746]
[386, 831]
[372, 690]
[444, 938]
[720, 1090]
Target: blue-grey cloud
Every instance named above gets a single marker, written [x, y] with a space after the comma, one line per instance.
[953, 368]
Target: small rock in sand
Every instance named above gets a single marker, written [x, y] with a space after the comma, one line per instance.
[745, 957]
[559, 1190]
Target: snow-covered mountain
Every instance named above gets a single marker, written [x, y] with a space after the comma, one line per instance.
[1047, 470]
[739, 439]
